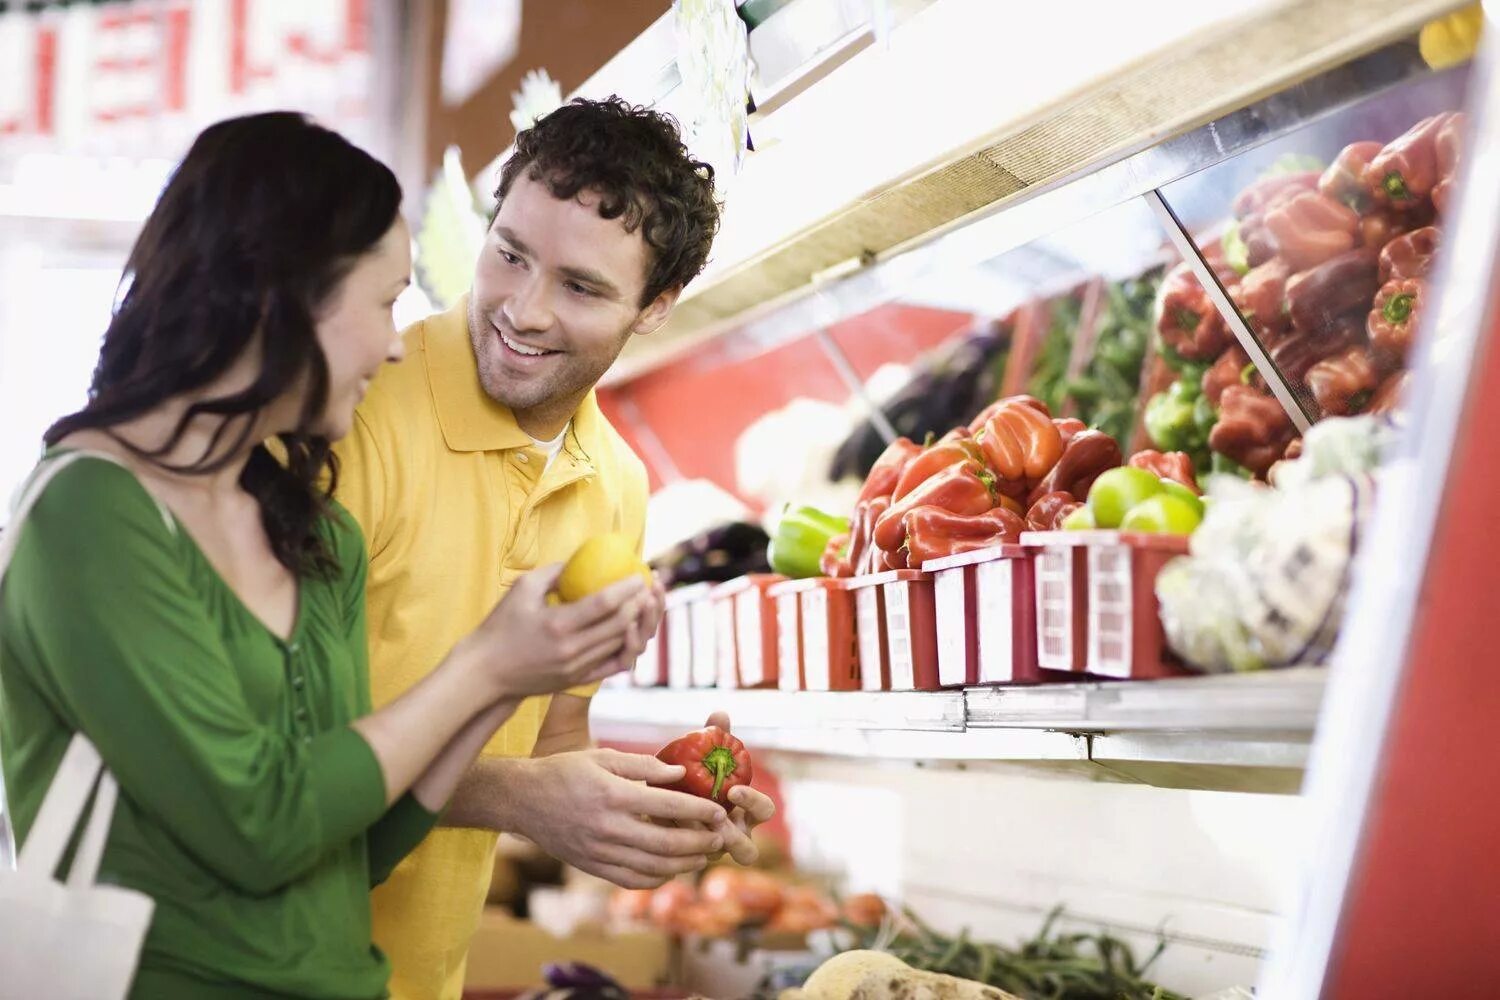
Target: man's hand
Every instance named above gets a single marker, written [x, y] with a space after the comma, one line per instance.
[751, 809]
[590, 809]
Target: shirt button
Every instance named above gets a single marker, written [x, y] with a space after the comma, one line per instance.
[294, 647]
[521, 456]
[297, 681]
[302, 715]
[306, 739]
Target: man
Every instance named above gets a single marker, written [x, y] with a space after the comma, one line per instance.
[485, 455]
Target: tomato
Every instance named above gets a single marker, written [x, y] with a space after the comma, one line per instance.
[864, 910]
[718, 918]
[1117, 491]
[756, 892]
[630, 906]
[668, 901]
[599, 562]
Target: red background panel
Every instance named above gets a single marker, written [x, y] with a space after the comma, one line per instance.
[1422, 917]
[699, 405]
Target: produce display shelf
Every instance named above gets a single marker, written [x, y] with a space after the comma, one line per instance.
[1246, 732]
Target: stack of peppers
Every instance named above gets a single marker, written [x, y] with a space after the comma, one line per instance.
[1013, 468]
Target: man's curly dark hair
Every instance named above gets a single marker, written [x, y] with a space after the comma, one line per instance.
[634, 159]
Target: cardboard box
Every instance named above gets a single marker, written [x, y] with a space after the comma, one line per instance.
[507, 952]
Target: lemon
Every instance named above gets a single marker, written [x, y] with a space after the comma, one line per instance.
[599, 562]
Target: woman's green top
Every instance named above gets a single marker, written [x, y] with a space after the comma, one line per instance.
[249, 810]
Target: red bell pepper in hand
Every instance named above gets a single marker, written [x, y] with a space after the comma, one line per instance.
[1048, 512]
[1409, 256]
[1173, 465]
[1344, 180]
[1087, 455]
[932, 532]
[928, 463]
[715, 763]
[1344, 383]
[887, 469]
[1394, 316]
[835, 559]
[1311, 228]
[977, 424]
[1404, 172]
[966, 488]
[1021, 445]
[1187, 320]
[1252, 429]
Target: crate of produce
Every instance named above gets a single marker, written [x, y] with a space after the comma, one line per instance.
[869, 633]
[826, 642]
[690, 637]
[745, 631]
[986, 617]
[910, 627]
[791, 669]
[1061, 586]
[1125, 636]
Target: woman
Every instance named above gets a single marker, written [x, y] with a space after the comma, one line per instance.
[194, 603]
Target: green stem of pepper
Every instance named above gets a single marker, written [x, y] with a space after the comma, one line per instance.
[720, 761]
[1247, 373]
[1187, 320]
[1398, 309]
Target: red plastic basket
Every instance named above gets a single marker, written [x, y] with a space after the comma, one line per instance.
[909, 627]
[791, 670]
[1125, 637]
[826, 644]
[869, 633]
[1061, 585]
[745, 629]
[986, 617]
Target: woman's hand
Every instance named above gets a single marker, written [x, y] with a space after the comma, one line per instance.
[531, 646]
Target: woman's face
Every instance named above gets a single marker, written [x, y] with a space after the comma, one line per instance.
[357, 331]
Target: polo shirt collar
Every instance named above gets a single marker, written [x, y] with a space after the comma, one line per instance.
[469, 418]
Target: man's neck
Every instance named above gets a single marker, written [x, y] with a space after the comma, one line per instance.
[548, 420]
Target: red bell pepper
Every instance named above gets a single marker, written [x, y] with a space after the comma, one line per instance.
[1252, 429]
[1311, 228]
[1344, 383]
[1317, 298]
[1173, 465]
[1087, 455]
[1271, 191]
[977, 424]
[1067, 427]
[1448, 149]
[887, 469]
[715, 763]
[1389, 397]
[1048, 512]
[966, 488]
[932, 532]
[1409, 256]
[1394, 316]
[1227, 371]
[861, 530]
[1404, 172]
[1344, 180]
[1379, 227]
[1187, 320]
[1260, 295]
[1021, 445]
[928, 463]
[1299, 352]
[835, 559]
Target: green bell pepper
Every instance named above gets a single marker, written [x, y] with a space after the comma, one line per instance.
[801, 536]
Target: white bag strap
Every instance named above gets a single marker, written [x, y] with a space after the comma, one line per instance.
[63, 807]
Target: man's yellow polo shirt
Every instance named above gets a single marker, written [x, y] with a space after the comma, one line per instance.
[455, 504]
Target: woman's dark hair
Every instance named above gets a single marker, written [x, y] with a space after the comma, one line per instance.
[256, 228]
[635, 161]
